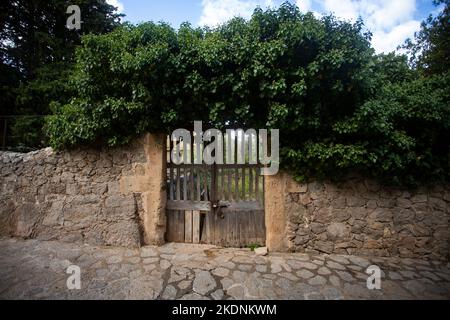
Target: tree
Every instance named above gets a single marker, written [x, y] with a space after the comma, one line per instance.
[430, 50]
[37, 50]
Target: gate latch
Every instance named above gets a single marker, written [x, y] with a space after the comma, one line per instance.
[220, 205]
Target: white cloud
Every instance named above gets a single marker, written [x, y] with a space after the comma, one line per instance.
[387, 41]
[117, 4]
[390, 21]
[216, 12]
[304, 5]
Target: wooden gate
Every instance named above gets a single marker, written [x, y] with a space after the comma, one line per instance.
[215, 204]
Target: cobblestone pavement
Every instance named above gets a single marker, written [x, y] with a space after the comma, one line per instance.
[31, 269]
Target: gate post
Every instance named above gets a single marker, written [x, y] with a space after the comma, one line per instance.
[275, 214]
[154, 200]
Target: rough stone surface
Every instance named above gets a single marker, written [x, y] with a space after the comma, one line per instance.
[261, 251]
[99, 197]
[360, 217]
[34, 269]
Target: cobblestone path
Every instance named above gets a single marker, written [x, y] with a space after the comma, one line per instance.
[31, 269]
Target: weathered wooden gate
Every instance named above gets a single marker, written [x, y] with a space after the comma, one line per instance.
[215, 204]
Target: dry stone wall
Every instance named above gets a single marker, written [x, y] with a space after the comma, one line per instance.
[76, 196]
[361, 217]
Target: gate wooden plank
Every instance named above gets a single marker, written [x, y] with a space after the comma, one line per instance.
[195, 226]
[209, 227]
[180, 226]
[232, 227]
[199, 178]
[251, 226]
[191, 187]
[243, 229]
[230, 196]
[222, 181]
[188, 226]
[171, 186]
[178, 184]
[185, 183]
[205, 185]
[236, 184]
[250, 184]
[243, 184]
[188, 205]
[258, 172]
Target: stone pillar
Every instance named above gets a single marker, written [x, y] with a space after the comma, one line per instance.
[154, 200]
[150, 181]
[275, 215]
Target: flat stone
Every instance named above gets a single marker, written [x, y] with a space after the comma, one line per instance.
[236, 291]
[335, 265]
[317, 281]
[226, 283]
[275, 268]
[393, 275]
[148, 252]
[288, 275]
[228, 265]
[149, 267]
[164, 264]
[362, 262]
[332, 293]
[318, 262]
[324, 271]
[221, 272]
[203, 282]
[150, 260]
[339, 259]
[354, 268]
[347, 277]
[408, 274]
[306, 265]
[430, 275]
[245, 267]
[335, 281]
[193, 296]
[305, 274]
[113, 259]
[313, 296]
[262, 251]
[169, 293]
[261, 268]
[217, 295]
[134, 260]
[177, 274]
[183, 285]
[243, 259]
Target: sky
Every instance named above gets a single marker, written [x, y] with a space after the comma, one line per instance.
[390, 21]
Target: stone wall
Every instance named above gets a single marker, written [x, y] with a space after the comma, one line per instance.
[361, 217]
[85, 195]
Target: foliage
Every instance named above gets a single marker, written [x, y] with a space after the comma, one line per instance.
[339, 107]
[37, 54]
[430, 48]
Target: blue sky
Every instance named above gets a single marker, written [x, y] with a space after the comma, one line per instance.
[391, 21]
